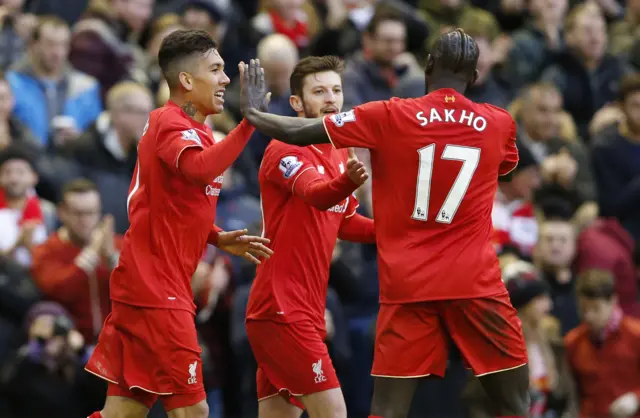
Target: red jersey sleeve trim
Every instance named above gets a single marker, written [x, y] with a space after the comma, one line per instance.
[355, 210]
[293, 184]
[182, 150]
[510, 170]
[324, 124]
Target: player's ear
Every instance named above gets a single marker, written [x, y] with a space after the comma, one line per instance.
[474, 77]
[430, 64]
[186, 81]
[296, 103]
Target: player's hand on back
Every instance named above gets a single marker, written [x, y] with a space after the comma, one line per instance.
[249, 247]
[356, 170]
[253, 88]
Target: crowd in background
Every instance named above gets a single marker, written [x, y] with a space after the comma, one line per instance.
[78, 79]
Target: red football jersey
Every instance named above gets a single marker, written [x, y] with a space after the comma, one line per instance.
[292, 284]
[170, 216]
[435, 163]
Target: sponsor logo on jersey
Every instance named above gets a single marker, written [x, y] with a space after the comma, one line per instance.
[289, 166]
[191, 135]
[339, 119]
[340, 208]
[449, 99]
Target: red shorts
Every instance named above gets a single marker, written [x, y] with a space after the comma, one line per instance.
[293, 360]
[412, 340]
[146, 354]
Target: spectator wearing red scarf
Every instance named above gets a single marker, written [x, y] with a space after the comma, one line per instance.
[286, 17]
[603, 351]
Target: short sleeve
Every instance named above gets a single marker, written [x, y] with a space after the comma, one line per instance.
[284, 164]
[510, 160]
[174, 136]
[360, 127]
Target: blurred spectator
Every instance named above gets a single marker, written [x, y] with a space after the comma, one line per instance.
[603, 351]
[444, 15]
[624, 32]
[56, 102]
[537, 45]
[105, 41]
[15, 30]
[585, 73]
[22, 219]
[550, 379]
[286, 17]
[616, 161]
[73, 266]
[12, 131]
[373, 73]
[278, 56]
[564, 163]
[514, 219]
[554, 257]
[160, 29]
[50, 363]
[605, 245]
[107, 151]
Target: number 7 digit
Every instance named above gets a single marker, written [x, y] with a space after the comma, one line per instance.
[470, 158]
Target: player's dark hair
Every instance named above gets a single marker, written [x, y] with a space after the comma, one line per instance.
[43, 21]
[179, 46]
[629, 85]
[455, 53]
[383, 14]
[313, 65]
[78, 186]
[596, 284]
[16, 152]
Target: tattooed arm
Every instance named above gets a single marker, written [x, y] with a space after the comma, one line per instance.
[291, 130]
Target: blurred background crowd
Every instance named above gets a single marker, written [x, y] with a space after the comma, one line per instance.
[78, 79]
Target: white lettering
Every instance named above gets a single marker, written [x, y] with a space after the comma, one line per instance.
[448, 115]
[421, 118]
[340, 208]
[469, 118]
[434, 116]
[212, 191]
[479, 123]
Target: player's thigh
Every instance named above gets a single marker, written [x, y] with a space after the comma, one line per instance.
[326, 404]
[293, 357]
[276, 406]
[392, 397]
[125, 403]
[488, 333]
[410, 341]
[509, 391]
[197, 410]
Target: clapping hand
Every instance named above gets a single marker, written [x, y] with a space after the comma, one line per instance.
[253, 88]
[246, 246]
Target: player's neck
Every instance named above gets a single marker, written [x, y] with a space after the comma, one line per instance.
[458, 86]
[188, 108]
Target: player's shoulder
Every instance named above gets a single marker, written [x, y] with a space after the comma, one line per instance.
[169, 115]
[496, 111]
[276, 149]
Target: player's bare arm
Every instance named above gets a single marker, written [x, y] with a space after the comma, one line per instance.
[254, 101]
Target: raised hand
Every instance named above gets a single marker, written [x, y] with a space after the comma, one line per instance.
[246, 246]
[253, 89]
[356, 169]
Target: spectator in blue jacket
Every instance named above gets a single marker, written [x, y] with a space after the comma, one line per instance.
[55, 101]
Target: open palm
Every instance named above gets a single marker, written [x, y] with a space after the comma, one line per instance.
[249, 247]
[253, 88]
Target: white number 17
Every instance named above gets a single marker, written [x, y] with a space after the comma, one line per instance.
[470, 158]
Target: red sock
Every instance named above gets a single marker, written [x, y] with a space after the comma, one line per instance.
[96, 415]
